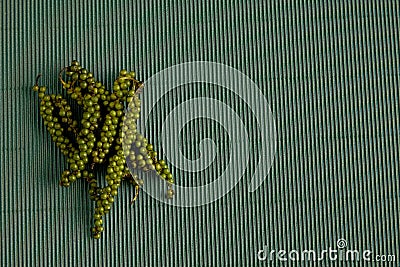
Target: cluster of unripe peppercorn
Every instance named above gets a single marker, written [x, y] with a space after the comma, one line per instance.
[105, 135]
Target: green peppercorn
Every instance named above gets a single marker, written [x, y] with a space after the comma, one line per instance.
[170, 193]
[97, 236]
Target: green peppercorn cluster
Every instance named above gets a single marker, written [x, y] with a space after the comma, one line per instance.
[105, 135]
[139, 153]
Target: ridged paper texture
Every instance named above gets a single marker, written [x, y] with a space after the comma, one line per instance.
[329, 71]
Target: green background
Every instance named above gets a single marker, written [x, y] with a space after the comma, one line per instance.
[329, 70]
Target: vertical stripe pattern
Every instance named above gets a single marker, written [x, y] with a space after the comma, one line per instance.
[329, 70]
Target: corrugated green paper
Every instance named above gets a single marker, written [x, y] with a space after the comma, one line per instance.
[329, 71]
